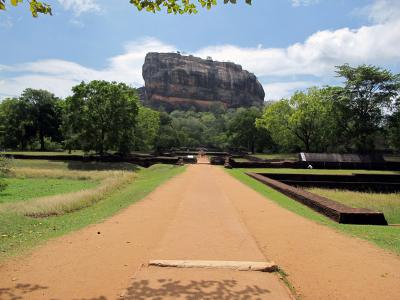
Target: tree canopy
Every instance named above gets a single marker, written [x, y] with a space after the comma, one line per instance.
[170, 6]
[35, 116]
[101, 115]
[368, 92]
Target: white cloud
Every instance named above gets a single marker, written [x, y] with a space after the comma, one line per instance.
[379, 43]
[279, 90]
[59, 76]
[80, 6]
[381, 11]
[297, 3]
[317, 56]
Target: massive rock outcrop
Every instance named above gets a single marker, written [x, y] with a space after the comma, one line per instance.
[176, 81]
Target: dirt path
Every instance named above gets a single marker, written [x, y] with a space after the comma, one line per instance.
[202, 214]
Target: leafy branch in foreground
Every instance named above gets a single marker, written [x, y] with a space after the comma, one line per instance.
[177, 6]
[36, 7]
[171, 6]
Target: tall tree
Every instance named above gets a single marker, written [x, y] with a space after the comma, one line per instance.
[45, 114]
[304, 120]
[394, 128]
[16, 124]
[242, 130]
[102, 116]
[147, 128]
[367, 93]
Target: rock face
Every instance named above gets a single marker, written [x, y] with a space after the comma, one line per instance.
[176, 81]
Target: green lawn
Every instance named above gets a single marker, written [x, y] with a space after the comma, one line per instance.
[389, 204]
[22, 189]
[19, 233]
[387, 237]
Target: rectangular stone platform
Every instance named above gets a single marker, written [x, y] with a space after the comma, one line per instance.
[332, 209]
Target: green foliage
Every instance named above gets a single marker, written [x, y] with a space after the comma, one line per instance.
[303, 121]
[147, 129]
[216, 129]
[100, 116]
[369, 91]
[36, 7]
[45, 113]
[177, 6]
[394, 129]
[243, 133]
[33, 117]
[171, 6]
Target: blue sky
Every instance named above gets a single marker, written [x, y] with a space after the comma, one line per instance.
[288, 44]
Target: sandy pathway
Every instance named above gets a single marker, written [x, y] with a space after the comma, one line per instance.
[188, 217]
[202, 214]
[322, 263]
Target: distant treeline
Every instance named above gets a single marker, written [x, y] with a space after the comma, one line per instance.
[362, 116]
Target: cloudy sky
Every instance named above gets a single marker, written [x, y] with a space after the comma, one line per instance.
[288, 44]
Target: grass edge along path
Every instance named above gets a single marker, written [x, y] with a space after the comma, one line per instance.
[19, 234]
[386, 237]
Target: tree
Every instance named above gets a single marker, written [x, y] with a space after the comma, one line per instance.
[304, 121]
[35, 115]
[16, 127]
[44, 113]
[368, 92]
[167, 137]
[102, 116]
[393, 128]
[242, 130]
[171, 6]
[147, 128]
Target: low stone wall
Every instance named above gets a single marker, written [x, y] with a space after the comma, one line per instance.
[380, 183]
[141, 161]
[381, 166]
[263, 164]
[334, 210]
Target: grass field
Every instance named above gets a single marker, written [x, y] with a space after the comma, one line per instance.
[19, 232]
[387, 237]
[22, 189]
[389, 204]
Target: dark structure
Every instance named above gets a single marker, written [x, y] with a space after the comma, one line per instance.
[322, 161]
[175, 81]
[332, 209]
[378, 183]
[347, 161]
